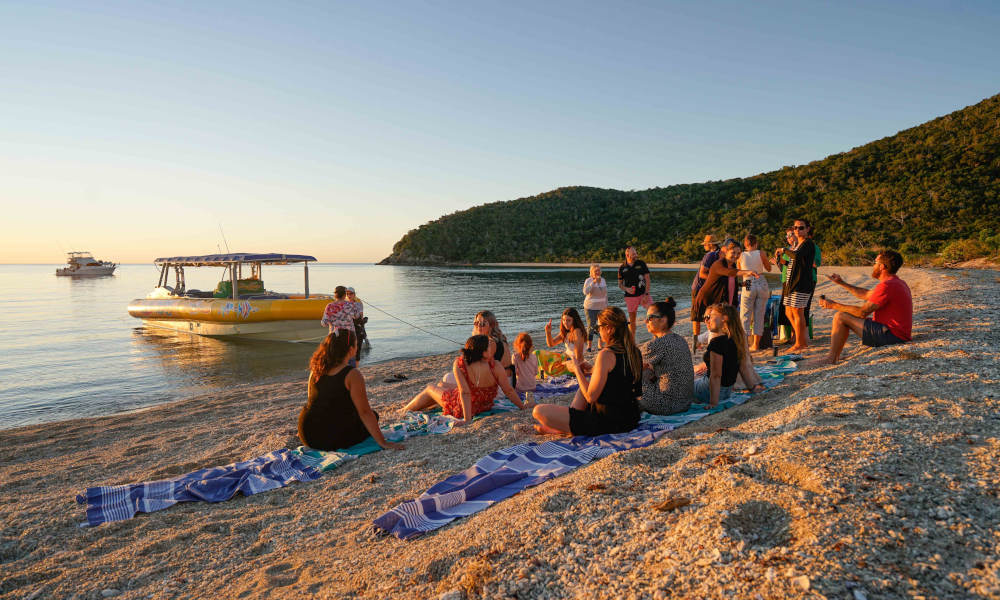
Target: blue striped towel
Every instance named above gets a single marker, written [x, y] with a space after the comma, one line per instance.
[502, 474]
[772, 373]
[121, 502]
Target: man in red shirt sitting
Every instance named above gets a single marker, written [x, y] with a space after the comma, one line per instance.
[889, 303]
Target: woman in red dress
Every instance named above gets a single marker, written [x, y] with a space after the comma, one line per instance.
[478, 376]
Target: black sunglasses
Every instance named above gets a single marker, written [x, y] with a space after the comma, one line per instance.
[802, 227]
[654, 316]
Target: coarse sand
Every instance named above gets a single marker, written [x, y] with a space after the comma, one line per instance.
[875, 478]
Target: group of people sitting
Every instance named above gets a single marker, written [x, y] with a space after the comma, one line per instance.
[624, 379]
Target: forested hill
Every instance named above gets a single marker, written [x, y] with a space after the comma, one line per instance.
[926, 190]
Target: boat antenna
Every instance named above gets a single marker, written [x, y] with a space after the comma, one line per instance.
[224, 238]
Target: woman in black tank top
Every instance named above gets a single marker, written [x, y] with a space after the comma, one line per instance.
[607, 400]
[337, 414]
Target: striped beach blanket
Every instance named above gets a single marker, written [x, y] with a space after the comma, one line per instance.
[772, 373]
[424, 423]
[268, 472]
[502, 474]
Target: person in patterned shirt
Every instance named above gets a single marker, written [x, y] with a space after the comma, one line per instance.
[340, 313]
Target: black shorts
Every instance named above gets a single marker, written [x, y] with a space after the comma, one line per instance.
[877, 334]
[597, 420]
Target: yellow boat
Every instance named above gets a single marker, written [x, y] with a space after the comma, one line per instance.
[237, 307]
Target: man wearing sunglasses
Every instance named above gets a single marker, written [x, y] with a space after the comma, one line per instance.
[889, 303]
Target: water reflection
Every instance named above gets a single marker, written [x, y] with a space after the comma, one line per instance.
[189, 359]
[71, 349]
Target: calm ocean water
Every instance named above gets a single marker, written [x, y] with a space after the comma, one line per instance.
[70, 349]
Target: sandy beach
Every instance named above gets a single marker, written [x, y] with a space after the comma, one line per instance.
[875, 478]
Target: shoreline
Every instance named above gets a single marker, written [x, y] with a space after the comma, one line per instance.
[880, 474]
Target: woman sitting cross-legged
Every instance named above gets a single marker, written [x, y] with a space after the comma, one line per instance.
[668, 381]
[723, 356]
[337, 414]
[478, 376]
[606, 400]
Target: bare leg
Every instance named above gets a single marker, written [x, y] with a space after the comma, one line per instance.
[754, 343]
[798, 319]
[551, 418]
[631, 324]
[843, 325]
[429, 398]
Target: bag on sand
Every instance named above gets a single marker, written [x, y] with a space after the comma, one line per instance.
[770, 322]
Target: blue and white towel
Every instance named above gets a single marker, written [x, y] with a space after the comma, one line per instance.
[555, 386]
[772, 373]
[121, 502]
[502, 474]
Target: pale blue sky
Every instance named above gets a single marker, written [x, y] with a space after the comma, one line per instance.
[133, 129]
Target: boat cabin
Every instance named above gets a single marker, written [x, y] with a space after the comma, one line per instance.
[243, 274]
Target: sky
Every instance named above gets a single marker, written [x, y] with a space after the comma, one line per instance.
[144, 129]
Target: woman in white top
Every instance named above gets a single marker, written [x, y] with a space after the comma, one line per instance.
[753, 300]
[571, 333]
[595, 291]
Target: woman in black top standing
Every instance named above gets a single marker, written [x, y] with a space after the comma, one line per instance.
[337, 414]
[607, 400]
[799, 285]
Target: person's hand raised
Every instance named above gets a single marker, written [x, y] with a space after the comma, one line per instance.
[835, 278]
[548, 326]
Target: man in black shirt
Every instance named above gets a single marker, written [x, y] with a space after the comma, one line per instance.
[633, 279]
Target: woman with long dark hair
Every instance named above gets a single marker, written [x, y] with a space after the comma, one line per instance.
[572, 333]
[337, 414]
[606, 401]
[721, 283]
[478, 376]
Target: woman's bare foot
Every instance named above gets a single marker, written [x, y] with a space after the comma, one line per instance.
[760, 387]
[545, 430]
[795, 349]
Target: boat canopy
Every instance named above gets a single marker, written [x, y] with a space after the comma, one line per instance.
[224, 260]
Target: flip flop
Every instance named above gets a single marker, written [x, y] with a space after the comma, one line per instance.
[400, 376]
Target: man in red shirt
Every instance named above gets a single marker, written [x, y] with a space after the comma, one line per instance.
[889, 303]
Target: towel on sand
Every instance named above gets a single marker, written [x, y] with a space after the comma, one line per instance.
[121, 502]
[502, 474]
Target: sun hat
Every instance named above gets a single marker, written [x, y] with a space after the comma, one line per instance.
[710, 239]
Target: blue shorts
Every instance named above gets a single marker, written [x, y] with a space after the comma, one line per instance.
[703, 391]
[877, 334]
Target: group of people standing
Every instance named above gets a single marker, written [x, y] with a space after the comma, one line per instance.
[624, 379]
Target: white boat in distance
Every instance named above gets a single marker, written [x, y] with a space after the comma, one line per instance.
[83, 264]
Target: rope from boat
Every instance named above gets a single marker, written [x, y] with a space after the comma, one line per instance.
[368, 303]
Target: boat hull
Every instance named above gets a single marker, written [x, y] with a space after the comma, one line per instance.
[275, 331]
[86, 272]
[292, 319]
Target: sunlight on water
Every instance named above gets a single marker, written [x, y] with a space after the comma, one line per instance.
[70, 348]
